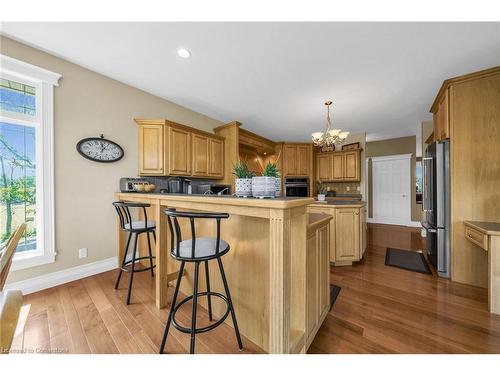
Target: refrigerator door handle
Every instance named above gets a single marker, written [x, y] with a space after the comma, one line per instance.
[426, 193]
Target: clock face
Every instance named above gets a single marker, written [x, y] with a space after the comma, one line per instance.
[100, 149]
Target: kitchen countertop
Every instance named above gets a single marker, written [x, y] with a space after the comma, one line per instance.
[334, 203]
[281, 202]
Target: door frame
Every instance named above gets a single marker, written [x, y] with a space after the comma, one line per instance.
[374, 219]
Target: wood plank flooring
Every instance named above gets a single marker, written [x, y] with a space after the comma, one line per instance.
[380, 309]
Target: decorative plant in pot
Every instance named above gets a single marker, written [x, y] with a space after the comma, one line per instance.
[321, 191]
[243, 183]
[268, 185]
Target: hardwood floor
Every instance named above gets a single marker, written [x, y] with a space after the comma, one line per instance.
[380, 309]
[384, 309]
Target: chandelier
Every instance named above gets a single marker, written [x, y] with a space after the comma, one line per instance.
[330, 137]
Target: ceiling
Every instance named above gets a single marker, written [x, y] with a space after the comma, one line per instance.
[274, 77]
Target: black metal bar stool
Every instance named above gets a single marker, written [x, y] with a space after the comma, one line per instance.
[137, 228]
[197, 250]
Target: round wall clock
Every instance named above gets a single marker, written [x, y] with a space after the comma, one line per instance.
[100, 149]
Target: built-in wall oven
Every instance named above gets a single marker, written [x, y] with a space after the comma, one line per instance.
[296, 187]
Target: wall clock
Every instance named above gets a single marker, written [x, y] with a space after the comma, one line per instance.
[100, 149]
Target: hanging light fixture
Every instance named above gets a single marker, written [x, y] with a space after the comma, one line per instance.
[330, 137]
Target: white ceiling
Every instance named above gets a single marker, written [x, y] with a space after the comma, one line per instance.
[274, 77]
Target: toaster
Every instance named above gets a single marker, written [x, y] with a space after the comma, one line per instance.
[127, 183]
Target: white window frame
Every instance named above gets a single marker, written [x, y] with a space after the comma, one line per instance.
[44, 81]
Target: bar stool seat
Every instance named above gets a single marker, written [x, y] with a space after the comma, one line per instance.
[198, 250]
[204, 247]
[139, 225]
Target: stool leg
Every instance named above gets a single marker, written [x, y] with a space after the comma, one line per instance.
[150, 256]
[172, 307]
[208, 290]
[195, 303]
[154, 235]
[132, 270]
[117, 284]
[233, 315]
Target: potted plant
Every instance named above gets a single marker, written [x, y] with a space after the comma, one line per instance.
[243, 183]
[322, 189]
[266, 186]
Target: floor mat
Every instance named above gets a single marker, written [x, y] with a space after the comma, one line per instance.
[334, 293]
[406, 259]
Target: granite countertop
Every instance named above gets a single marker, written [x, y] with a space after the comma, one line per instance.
[331, 202]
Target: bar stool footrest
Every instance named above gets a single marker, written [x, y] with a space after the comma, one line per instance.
[206, 328]
[129, 262]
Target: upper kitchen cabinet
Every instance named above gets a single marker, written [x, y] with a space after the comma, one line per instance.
[151, 149]
[440, 110]
[340, 166]
[170, 149]
[297, 159]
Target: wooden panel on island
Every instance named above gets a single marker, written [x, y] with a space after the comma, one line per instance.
[266, 267]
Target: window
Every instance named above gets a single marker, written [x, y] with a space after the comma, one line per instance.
[26, 160]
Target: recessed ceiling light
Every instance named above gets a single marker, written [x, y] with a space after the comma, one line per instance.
[184, 53]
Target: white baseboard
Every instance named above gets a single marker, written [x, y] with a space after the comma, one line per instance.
[50, 280]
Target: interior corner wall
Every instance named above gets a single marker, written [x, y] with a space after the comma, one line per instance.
[88, 104]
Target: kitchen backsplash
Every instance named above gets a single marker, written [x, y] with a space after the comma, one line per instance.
[344, 187]
[161, 182]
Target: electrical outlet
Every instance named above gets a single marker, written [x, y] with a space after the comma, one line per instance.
[82, 253]
[348, 188]
[358, 188]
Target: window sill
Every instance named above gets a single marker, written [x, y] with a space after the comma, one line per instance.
[23, 261]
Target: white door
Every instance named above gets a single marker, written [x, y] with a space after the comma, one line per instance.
[391, 189]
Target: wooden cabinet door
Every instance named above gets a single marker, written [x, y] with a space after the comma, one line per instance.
[364, 230]
[347, 234]
[151, 150]
[324, 167]
[323, 243]
[201, 155]
[216, 159]
[179, 152]
[328, 211]
[351, 166]
[312, 310]
[303, 160]
[289, 160]
[338, 167]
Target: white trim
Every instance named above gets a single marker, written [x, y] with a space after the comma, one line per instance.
[407, 157]
[43, 121]
[28, 71]
[415, 224]
[391, 157]
[50, 280]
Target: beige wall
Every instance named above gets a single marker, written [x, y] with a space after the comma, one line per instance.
[395, 146]
[88, 104]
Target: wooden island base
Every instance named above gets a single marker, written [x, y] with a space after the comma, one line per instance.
[267, 267]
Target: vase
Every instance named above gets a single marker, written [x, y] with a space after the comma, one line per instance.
[243, 187]
[321, 197]
[264, 187]
[278, 187]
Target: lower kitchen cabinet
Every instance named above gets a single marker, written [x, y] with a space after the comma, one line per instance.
[348, 231]
[318, 277]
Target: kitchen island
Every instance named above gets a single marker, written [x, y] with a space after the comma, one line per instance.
[266, 267]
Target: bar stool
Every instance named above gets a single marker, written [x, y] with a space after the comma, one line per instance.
[137, 228]
[197, 250]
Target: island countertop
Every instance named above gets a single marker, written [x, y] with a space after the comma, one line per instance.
[266, 266]
[280, 202]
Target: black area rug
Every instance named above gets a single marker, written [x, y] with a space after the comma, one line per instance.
[334, 293]
[407, 260]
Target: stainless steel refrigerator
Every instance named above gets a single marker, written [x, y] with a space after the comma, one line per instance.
[436, 205]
